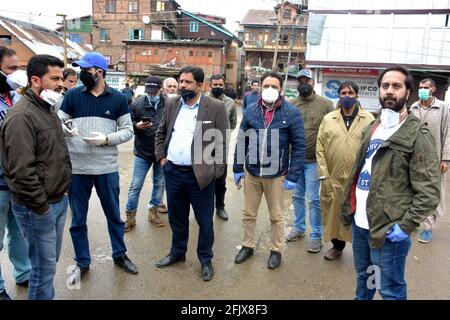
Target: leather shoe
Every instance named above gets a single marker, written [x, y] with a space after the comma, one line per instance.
[222, 214]
[274, 260]
[243, 254]
[332, 254]
[169, 260]
[126, 264]
[207, 271]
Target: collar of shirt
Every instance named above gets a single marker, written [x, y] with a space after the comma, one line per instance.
[196, 105]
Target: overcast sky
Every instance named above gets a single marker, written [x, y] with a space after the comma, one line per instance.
[43, 12]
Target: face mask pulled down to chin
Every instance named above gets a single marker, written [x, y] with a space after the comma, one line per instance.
[50, 96]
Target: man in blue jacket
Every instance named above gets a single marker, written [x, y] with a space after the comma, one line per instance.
[270, 132]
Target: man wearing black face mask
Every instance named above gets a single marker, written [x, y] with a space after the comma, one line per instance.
[312, 108]
[190, 144]
[217, 83]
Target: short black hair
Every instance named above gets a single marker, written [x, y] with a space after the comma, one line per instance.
[69, 72]
[409, 80]
[255, 81]
[272, 74]
[217, 77]
[349, 84]
[197, 73]
[433, 83]
[6, 52]
[127, 84]
[38, 65]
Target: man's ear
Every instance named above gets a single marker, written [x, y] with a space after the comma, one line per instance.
[433, 90]
[35, 82]
[408, 93]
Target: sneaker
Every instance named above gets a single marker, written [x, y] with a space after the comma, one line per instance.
[4, 296]
[314, 246]
[425, 236]
[131, 220]
[295, 235]
[154, 218]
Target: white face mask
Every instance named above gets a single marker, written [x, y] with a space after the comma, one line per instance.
[172, 95]
[17, 79]
[270, 95]
[389, 118]
[51, 97]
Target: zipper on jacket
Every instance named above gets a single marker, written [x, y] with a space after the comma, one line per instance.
[265, 139]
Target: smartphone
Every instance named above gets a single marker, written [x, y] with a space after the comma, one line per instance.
[145, 119]
[67, 124]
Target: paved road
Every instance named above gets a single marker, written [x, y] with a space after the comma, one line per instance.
[302, 275]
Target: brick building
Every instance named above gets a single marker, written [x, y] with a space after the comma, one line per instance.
[79, 30]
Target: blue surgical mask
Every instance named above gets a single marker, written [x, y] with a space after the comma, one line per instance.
[346, 102]
[424, 94]
[153, 99]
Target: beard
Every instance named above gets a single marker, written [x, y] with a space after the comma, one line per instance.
[392, 103]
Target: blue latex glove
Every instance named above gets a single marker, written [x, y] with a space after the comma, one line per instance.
[238, 177]
[396, 234]
[288, 185]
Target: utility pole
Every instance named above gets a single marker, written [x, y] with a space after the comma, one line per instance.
[65, 37]
[294, 23]
[275, 55]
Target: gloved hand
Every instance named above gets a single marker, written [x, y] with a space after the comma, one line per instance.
[238, 177]
[96, 139]
[396, 234]
[288, 185]
[68, 130]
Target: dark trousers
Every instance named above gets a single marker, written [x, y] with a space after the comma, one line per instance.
[338, 244]
[182, 191]
[107, 187]
[221, 188]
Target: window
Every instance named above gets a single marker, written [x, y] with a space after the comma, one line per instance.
[133, 6]
[209, 54]
[284, 39]
[110, 6]
[254, 36]
[136, 34]
[77, 38]
[191, 53]
[104, 35]
[197, 53]
[160, 6]
[193, 26]
[287, 13]
[5, 40]
[229, 66]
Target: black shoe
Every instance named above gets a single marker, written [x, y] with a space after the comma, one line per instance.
[222, 214]
[274, 260]
[243, 254]
[169, 260]
[23, 283]
[126, 264]
[207, 271]
[4, 296]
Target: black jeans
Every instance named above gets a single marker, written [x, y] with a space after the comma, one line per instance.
[182, 192]
[338, 244]
[221, 188]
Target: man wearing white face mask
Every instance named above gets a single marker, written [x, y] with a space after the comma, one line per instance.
[269, 157]
[394, 185]
[10, 79]
[37, 169]
[435, 113]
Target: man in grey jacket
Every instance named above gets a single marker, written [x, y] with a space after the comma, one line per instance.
[217, 83]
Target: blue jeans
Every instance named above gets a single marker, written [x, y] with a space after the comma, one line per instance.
[308, 184]
[141, 168]
[107, 187]
[44, 233]
[17, 244]
[389, 260]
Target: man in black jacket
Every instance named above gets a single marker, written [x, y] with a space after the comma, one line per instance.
[38, 171]
[146, 112]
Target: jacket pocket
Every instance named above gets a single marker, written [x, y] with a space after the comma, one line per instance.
[392, 212]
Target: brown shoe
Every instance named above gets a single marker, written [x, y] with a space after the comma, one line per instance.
[333, 254]
[162, 208]
[131, 220]
[154, 218]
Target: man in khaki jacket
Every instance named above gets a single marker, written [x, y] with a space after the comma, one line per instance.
[435, 114]
[191, 163]
[338, 141]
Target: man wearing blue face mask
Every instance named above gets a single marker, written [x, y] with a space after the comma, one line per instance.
[146, 113]
[338, 142]
[435, 113]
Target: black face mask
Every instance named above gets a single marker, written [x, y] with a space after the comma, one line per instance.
[4, 86]
[217, 92]
[305, 90]
[88, 80]
[187, 94]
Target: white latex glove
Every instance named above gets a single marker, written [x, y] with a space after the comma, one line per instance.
[68, 131]
[96, 139]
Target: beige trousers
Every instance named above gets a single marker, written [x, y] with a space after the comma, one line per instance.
[254, 188]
